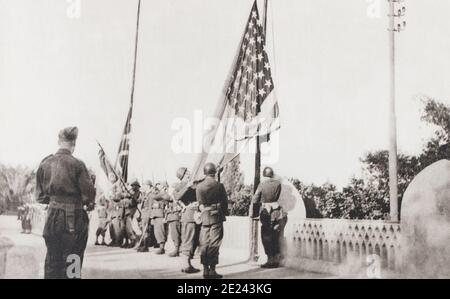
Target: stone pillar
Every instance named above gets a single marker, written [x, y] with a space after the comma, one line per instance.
[425, 223]
[5, 245]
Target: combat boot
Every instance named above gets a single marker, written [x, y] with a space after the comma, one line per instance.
[188, 268]
[213, 274]
[175, 252]
[269, 262]
[205, 271]
[160, 249]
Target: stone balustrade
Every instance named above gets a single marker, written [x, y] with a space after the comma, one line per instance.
[346, 243]
[335, 246]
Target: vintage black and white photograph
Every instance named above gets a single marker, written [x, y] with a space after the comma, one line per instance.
[224, 139]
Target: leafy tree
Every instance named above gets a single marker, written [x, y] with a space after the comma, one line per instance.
[368, 197]
[233, 181]
[16, 186]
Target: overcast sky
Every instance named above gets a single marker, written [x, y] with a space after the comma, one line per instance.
[329, 61]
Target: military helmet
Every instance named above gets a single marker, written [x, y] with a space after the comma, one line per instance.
[209, 169]
[135, 183]
[181, 172]
[268, 172]
[148, 183]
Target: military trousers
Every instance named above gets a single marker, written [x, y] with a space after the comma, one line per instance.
[210, 240]
[190, 232]
[130, 234]
[160, 230]
[175, 232]
[65, 248]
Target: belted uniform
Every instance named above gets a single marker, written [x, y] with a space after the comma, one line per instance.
[273, 218]
[173, 210]
[190, 230]
[213, 197]
[157, 216]
[63, 183]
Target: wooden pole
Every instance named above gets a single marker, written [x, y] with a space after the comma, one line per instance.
[135, 51]
[393, 192]
[254, 229]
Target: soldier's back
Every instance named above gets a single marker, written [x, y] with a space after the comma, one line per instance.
[270, 190]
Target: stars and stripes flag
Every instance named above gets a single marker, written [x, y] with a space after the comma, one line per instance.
[250, 93]
[124, 148]
[249, 108]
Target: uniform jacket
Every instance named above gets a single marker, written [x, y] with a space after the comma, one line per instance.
[212, 195]
[63, 182]
[62, 175]
[186, 195]
[268, 191]
[159, 203]
[173, 210]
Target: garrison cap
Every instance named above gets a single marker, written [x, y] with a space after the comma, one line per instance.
[68, 134]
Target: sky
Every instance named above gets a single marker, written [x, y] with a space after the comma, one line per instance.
[65, 63]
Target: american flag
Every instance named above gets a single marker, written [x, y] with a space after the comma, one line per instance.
[249, 108]
[251, 83]
[124, 148]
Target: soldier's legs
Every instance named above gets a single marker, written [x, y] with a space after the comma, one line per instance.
[189, 241]
[210, 241]
[175, 233]
[54, 263]
[160, 228]
[131, 236]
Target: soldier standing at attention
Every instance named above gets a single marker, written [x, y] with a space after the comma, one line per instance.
[184, 193]
[157, 216]
[213, 203]
[146, 205]
[63, 183]
[131, 204]
[173, 210]
[102, 212]
[273, 218]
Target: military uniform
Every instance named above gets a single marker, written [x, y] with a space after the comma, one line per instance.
[116, 216]
[63, 183]
[213, 201]
[102, 213]
[273, 218]
[148, 236]
[130, 205]
[173, 210]
[157, 216]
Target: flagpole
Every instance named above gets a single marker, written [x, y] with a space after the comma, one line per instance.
[257, 178]
[135, 51]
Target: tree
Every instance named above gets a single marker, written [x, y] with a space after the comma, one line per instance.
[16, 186]
[368, 197]
[233, 181]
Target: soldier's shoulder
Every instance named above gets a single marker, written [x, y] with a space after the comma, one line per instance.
[46, 159]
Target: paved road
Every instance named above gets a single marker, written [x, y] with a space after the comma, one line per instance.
[26, 260]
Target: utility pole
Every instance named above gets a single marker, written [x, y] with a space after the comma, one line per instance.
[395, 26]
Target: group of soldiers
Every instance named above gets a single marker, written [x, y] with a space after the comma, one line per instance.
[192, 211]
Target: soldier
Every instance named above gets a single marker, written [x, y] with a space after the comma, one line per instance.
[131, 204]
[116, 218]
[184, 193]
[102, 212]
[63, 183]
[147, 229]
[273, 218]
[213, 203]
[157, 215]
[173, 210]
[25, 218]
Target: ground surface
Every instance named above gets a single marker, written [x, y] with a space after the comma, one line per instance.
[26, 260]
